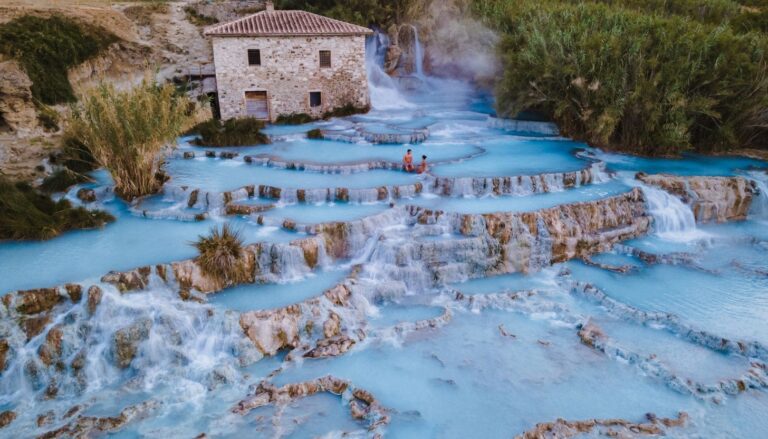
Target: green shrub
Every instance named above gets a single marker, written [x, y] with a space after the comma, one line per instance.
[221, 255]
[633, 81]
[126, 130]
[345, 110]
[233, 132]
[62, 180]
[197, 18]
[294, 119]
[27, 214]
[48, 118]
[76, 156]
[315, 134]
[47, 47]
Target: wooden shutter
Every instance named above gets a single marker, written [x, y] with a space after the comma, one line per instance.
[256, 104]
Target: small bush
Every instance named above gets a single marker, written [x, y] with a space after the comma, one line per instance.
[346, 110]
[232, 132]
[125, 131]
[315, 134]
[197, 18]
[221, 253]
[47, 47]
[294, 119]
[76, 156]
[62, 180]
[27, 214]
[48, 118]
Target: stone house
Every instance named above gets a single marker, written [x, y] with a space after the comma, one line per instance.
[279, 62]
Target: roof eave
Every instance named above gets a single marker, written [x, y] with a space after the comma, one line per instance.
[318, 34]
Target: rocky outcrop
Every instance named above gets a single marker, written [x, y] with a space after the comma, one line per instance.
[281, 328]
[674, 324]
[86, 195]
[89, 426]
[717, 199]
[362, 404]
[562, 429]
[6, 418]
[137, 279]
[754, 377]
[17, 107]
[126, 341]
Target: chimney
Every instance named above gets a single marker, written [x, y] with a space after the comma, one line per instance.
[269, 6]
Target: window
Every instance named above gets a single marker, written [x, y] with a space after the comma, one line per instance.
[325, 58]
[315, 99]
[254, 57]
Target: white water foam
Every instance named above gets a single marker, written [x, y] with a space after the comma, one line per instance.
[673, 220]
[759, 209]
[385, 94]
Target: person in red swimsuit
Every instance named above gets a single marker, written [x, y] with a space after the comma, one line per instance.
[423, 165]
[408, 161]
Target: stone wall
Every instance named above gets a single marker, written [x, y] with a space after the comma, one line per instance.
[289, 70]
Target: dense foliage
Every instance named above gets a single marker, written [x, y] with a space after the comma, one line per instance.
[27, 214]
[362, 12]
[630, 80]
[47, 47]
[125, 131]
[233, 132]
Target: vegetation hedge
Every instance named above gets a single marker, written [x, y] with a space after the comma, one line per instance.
[233, 132]
[628, 80]
[47, 47]
[27, 214]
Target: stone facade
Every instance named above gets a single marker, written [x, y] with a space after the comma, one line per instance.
[289, 71]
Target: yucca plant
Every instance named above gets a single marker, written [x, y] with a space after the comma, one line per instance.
[222, 256]
[126, 130]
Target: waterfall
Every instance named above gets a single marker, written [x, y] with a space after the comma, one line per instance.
[759, 209]
[672, 219]
[385, 94]
[151, 340]
[419, 54]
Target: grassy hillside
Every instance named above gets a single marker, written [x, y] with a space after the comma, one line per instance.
[47, 47]
[631, 76]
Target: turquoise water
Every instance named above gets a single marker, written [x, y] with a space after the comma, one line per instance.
[490, 204]
[269, 296]
[457, 360]
[226, 175]
[325, 212]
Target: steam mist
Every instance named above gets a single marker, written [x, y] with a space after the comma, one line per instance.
[457, 45]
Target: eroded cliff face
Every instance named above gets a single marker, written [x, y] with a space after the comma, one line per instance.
[17, 109]
[712, 199]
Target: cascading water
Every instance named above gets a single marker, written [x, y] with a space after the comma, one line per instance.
[418, 53]
[759, 208]
[672, 219]
[385, 94]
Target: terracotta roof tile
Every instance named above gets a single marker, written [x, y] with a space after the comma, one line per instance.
[285, 23]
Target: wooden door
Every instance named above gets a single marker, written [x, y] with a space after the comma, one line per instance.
[256, 104]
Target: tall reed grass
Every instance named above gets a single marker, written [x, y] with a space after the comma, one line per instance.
[125, 131]
[631, 80]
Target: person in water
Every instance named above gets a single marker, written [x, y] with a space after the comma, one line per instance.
[423, 165]
[408, 161]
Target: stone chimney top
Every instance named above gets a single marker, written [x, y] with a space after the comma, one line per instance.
[269, 6]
